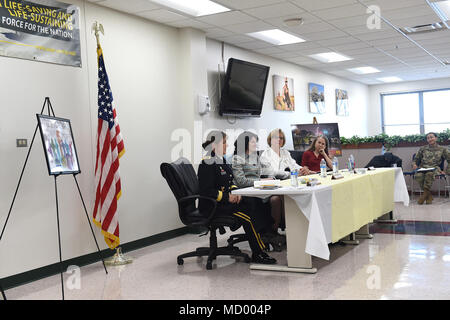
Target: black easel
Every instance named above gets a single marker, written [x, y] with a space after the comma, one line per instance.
[3, 292]
[50, 108]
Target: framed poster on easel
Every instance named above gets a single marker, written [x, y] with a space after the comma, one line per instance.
[304, 134]
[59, 145]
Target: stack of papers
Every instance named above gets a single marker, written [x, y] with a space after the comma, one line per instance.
[267, 184]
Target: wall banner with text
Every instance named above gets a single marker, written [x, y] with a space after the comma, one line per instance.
[41, 30]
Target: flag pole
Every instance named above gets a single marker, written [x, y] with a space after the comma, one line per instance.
[118, 258]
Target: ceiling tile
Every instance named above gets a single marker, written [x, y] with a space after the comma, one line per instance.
[316, 36]
[345, 42]
[245, 4]
[273, 11]
[226, 18]
[279, 21]
[408, 12]
[190, 23]
[161, 15]
[235, 39]
[341, 12]
[322, 4]
[248, 27]
[129, 6]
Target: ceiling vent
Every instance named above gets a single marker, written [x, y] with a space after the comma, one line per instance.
[432, 27]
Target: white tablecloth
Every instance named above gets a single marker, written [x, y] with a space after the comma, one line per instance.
[316, 204]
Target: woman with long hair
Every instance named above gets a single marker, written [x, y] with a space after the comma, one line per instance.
[247, 168]
[317, 151]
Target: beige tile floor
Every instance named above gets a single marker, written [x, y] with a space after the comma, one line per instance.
[389, 266]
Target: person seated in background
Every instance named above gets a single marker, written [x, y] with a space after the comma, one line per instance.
[247, 168]
[215, 179]
[429, 156]
[280, 160]
[317, 151]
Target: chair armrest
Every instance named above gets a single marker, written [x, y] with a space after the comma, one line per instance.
[196, 196]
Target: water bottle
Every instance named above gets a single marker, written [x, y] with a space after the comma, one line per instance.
[294, 181]
[335, 165]
[383, 150]
[349, 164]
[352, 159]
[323, 168]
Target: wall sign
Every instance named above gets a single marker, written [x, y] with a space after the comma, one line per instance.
[41, 30]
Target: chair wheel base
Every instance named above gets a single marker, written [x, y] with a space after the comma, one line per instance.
[180, 261]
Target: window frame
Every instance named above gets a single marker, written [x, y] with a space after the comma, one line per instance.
[421, 108]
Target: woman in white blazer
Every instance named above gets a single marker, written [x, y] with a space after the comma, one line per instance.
[277, 159]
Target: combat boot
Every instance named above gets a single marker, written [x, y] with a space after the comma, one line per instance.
[429, 197]
[422, 197]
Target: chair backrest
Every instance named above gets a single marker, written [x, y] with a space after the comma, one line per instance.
[182, 180]
[386, 160]
[297, 156]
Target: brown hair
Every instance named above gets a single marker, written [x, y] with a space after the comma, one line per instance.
[312, 147]
[274, 132]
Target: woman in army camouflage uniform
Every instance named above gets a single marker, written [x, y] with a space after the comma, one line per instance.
[429, 156]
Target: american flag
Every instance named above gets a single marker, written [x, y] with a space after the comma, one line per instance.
[109, 149]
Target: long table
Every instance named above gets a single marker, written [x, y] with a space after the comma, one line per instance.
[327, 213]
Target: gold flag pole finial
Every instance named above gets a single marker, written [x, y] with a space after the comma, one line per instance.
[96, 28]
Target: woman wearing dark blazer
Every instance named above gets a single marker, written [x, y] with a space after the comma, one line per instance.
[216, 181]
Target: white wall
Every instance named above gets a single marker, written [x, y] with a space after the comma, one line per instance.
[374, 110]
[355, 123]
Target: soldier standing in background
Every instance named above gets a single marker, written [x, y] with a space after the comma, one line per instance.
[429, 156]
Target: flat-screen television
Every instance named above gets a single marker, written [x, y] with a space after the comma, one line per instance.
[244, 88]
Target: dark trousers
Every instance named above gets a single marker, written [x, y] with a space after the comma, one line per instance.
[246, 216]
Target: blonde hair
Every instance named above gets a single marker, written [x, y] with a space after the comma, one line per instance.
[274, 132]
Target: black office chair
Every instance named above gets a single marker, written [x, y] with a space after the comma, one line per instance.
[182, 180]
[297, 156]
[385, 160]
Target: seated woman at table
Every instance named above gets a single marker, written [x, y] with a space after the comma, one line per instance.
[317, 151]
[280, 160]
[429, 156]
[215, 178]
[247, 168]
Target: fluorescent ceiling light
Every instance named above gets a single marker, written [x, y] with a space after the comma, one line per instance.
[194, 8]
[390, 79]
[442, 9]
[276, 37]
[364, 70]
[329, 57]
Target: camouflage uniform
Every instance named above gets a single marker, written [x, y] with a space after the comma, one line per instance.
[430, 157]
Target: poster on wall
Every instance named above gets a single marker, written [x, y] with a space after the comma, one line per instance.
[304, 134]
[316, 98]
[59, 145]
[40, 30]
[283, 92]
[341, 102]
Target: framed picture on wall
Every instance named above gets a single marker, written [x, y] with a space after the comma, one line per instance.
[283, 92]
[316, 98]
[59, 145]
[304, 134]
[341, 102]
